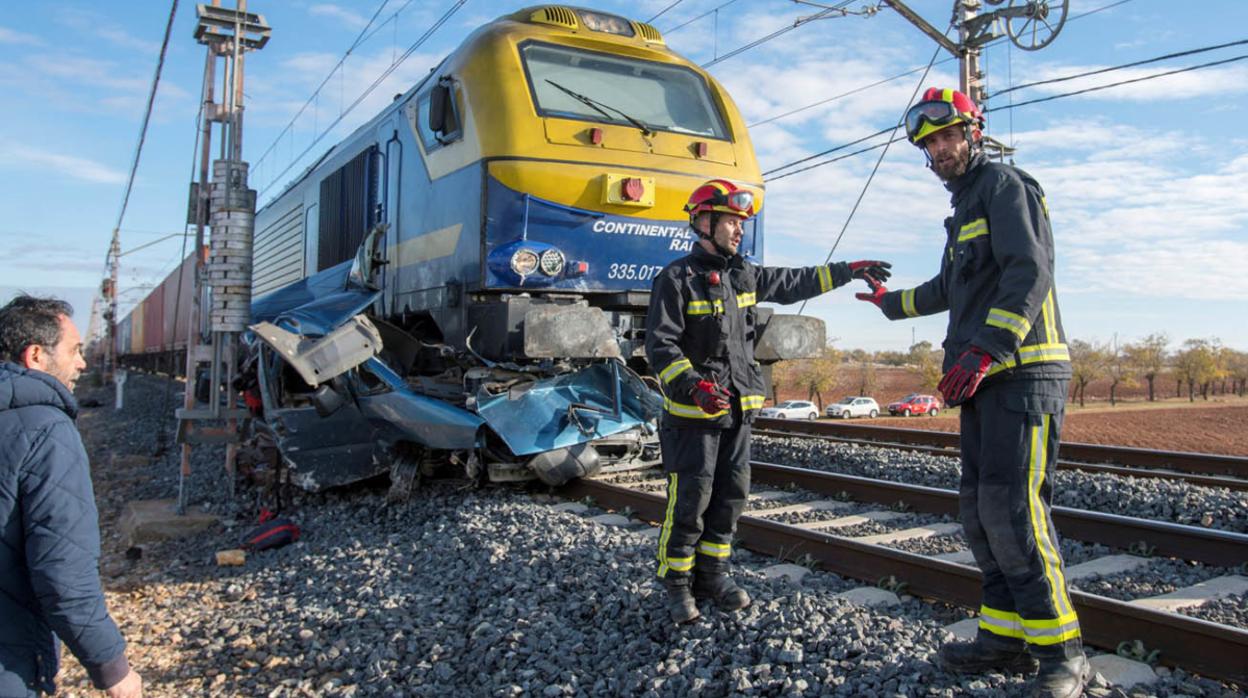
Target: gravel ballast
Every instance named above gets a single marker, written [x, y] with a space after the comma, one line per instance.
[464, 591]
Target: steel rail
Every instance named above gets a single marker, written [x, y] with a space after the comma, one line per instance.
[1201, 463]
[1211, 546]
[1207, 648]
[1230, 483]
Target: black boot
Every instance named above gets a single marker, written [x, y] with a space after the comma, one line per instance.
[984, 655]
[711, 581]
[1061, 678]
[680, 604]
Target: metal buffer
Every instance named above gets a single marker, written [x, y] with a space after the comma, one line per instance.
[223, 267]
[1030, 24]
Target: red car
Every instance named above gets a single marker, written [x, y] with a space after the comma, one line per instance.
[915, 403]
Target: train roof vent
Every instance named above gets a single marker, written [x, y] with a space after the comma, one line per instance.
[649, 33]
[558, 16]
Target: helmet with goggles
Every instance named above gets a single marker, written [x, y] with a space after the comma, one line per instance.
[721, 196]
[940, 108]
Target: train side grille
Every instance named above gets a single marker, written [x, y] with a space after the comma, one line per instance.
[558, 16]
[649, 33]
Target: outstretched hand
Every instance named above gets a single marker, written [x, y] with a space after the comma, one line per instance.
[876, 295]
[870, 269]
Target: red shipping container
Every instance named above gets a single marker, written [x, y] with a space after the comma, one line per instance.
[154, 321]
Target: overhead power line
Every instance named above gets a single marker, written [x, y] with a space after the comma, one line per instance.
[687, 22]
[1007, 107]
[837, 11]
[359, 39]
[663, 11]
[912, 71]
[147, 117]
[369, 90]
[1101, 71]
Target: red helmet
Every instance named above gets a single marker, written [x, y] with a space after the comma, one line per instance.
[941, 107]
[721, 196]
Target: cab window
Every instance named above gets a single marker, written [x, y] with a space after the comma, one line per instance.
[662, 97]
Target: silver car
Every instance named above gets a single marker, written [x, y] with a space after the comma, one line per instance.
[854, 407]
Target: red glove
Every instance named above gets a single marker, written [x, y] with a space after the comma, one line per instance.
[870, 269]
[963, 379]
[711, 397]
[877, 293]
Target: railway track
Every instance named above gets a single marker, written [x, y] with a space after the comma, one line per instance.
[1207, 648]
[1205, 469]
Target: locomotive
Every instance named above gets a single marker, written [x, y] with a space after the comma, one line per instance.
[464, 279]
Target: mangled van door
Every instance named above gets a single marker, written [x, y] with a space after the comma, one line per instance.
[326, 444]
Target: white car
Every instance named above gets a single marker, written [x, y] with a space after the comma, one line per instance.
[854, 407]
[791, 409]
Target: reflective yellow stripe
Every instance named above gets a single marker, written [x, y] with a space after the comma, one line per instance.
[674, 369]
[714, 549]
[665, 532]
[825, 278]
[1050, 318]
[999, 317]
[907, 303]
[1034, 354]
[745, 300]
[704, 307]
[974, 229]
[689, 411]
[1050, 558]
[680, 564]
[752, 402]
[1004, 623]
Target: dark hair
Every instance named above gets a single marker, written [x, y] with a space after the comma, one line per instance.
[28, 320]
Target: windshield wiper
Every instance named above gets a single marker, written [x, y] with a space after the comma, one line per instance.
[599, 107]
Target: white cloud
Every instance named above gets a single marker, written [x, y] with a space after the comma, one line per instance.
[339, 14]
[9, 36]
[71, 165]
[95, 24]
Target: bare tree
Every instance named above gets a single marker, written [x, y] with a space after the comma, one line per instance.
[1119, 370]
[1238, 369]
[1087, 362]
[818, 375]
[1148, 358]
[926, 362]
[1196, 366]
[867, 378]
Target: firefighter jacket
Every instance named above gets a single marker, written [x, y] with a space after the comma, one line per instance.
[996, 275]
[702, 324]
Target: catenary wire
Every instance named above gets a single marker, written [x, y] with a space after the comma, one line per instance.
[663, 11]
[369, 90]
[879, 161]
[989, 111]
[799, 22]
[898, 76]
[147, 117]
[359, 39]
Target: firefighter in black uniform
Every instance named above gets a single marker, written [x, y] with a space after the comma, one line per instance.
[1007, 365]
[700, 334]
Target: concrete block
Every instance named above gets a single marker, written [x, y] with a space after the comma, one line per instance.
[1110, 564]
[964, 629]
[1122, 672]
[871, 597]
[150, 520]
[794, 573]
[915, 533]
[571, 507]
[1197, 594]
[611, 520]
[962, 557]
[652, 532]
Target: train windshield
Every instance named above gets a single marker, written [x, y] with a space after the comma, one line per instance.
[662, 97]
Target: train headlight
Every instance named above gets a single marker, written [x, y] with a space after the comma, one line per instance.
[524, 262]
[552, 262]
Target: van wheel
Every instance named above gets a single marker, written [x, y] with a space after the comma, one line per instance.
[905, 412]
[875, 413]
[935, 411]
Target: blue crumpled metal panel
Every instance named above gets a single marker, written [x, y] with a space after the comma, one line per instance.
[404, 415]
[543, 416]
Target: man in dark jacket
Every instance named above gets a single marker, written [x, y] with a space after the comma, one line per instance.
[49, 526]
[1007, 365]
[700, 334]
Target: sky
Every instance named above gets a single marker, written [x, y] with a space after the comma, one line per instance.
[1145, 182]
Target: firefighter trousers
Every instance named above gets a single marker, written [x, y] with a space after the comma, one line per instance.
[1010, 434]
[708, 483]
